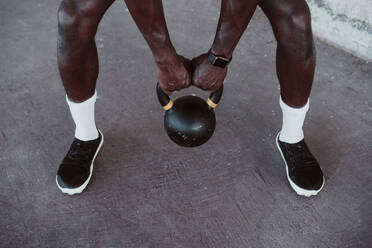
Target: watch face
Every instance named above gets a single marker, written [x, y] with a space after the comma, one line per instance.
[217, 61]
[220, 62]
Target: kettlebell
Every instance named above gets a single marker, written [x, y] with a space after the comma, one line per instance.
[189, 121]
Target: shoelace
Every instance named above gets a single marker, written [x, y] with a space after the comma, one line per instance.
[78, 151]
[301, 157]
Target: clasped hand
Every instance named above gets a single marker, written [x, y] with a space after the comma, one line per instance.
[180, 73]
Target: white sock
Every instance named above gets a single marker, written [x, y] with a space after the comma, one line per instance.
[293, 120]
[83, 116]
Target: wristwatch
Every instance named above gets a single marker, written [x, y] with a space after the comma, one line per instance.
[217, 60]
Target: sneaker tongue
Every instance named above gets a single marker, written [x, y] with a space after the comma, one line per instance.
[302, 155]
[78, 151]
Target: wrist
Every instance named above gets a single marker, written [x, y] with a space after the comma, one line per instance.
[161, 48]
[222, 51]
[165, 56]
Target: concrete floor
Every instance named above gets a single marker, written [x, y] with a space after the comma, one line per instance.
[148, 192]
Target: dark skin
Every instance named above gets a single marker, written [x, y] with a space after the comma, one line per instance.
[76, 50]
[77, 53]
[234, 18]
[295, 53]
[295, 56]
[290, 20]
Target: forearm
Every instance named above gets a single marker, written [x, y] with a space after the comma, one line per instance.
[150, 20]
[234, 18]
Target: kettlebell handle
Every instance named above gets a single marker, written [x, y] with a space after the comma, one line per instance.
[165, 101]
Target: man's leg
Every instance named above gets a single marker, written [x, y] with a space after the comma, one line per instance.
[78, 64]
[295, 56]
[77, 53]
[295, 63]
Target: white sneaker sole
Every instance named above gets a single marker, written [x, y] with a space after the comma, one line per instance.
[84, 185]
[296, 188]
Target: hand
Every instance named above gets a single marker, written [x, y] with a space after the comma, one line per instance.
[205, 75]
[175, 74]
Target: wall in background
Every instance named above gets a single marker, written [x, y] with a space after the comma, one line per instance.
[344, 23]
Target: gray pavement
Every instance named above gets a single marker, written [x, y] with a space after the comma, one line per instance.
[148, 192]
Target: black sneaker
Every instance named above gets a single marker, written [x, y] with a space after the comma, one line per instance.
[76, 168]
[303, 170]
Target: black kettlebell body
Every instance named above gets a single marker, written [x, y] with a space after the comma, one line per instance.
[189, 121]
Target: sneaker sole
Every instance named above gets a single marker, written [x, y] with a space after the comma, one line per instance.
[296, 188]
[84, 185]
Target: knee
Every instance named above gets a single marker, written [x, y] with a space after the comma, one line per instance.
[77, 19]
[294, 27]
[299, 18]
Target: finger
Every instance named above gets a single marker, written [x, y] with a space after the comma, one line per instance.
[205, 87]
[186, 83]
[168, 87]
[210, 86]
[195, 81]
[166, 90]
[171, 89]
[188, 79]
[215, 87]
[195, 77]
